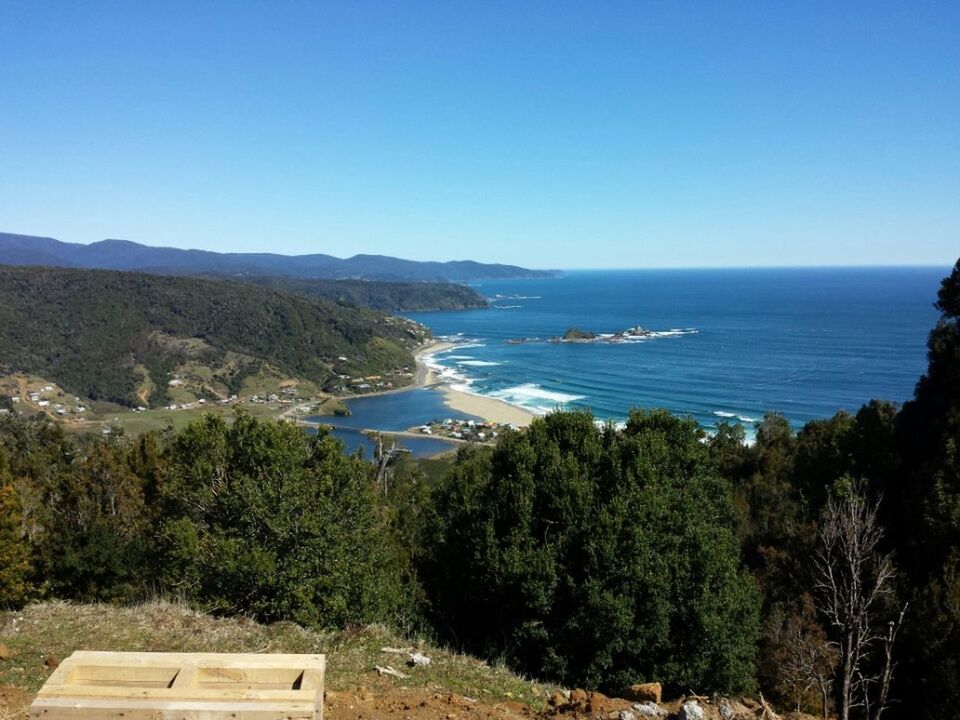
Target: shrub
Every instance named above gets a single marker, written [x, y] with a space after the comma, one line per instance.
[595, 556]
[260, 518]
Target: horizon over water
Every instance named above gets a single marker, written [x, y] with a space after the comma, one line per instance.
[727, 344]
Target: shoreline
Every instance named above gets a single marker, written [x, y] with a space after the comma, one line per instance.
[488, 408]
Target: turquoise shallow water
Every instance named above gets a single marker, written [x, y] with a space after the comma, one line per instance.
[727, 344]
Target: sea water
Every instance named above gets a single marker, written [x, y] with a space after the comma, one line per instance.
[724, 344]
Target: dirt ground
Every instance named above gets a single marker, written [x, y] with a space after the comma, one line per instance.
[383, 700]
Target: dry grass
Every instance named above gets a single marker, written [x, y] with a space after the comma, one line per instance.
[56, 629]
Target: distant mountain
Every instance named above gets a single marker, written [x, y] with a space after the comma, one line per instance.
[392, 297]
[126, 255]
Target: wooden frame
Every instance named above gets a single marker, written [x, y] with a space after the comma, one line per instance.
[183, 686]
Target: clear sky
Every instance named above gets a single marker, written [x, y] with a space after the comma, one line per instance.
[549, 134]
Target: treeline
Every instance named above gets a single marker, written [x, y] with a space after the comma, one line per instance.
[254, 518]
[95, 332]
[591, 555]
[390, 297]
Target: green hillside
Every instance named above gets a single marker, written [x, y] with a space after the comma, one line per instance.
[380, 295]
[120, 336]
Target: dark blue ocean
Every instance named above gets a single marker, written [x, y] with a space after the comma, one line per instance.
[726, 344]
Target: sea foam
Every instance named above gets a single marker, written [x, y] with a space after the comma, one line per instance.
[534, 397]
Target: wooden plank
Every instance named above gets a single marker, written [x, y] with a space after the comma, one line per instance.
[90, 685]
[136, 675]
[100, 709]
[279, 660]
[123, 692]
[186, 678]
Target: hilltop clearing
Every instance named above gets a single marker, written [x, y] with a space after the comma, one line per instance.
[452, 687]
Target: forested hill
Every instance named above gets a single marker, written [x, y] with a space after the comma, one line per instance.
[119, 336]
[380, 295]
[126, 255]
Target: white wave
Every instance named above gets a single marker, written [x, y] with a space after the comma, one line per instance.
[507, 307]
[531, 392]
[659, 334]
[458, 357]
[478, 363]
[741, 418]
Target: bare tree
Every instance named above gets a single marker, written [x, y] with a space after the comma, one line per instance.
[805, 658]
[853, 579]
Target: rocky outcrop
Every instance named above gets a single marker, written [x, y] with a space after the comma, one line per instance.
[644, 692]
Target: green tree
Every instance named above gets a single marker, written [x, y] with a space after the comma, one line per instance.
[262, 519]
[93, 546]
[928, 504]
[14, 553]
[595, 556]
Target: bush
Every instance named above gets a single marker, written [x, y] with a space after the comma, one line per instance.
[595, 557]
[14, 553]
[260, 518]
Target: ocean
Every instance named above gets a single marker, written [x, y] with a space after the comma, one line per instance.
[722, 344]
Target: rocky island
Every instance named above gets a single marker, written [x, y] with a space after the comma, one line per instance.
[577, 335]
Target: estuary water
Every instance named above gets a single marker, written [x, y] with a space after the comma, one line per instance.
[723, 344]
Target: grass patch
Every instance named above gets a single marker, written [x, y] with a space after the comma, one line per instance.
[56, 629]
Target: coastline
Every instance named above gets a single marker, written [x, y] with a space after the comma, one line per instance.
[490, 409]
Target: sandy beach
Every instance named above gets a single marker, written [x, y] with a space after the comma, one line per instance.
[490, 409]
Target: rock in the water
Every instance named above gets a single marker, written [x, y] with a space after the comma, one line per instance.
[691, 710]
[418, 659]
[644, 692]
[649, 709]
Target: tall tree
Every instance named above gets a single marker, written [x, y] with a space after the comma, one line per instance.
[928, 501]
[853, 580]
[14, 552]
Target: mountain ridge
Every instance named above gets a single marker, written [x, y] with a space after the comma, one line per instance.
[117, 254]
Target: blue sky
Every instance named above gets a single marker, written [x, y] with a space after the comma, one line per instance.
[553, 134]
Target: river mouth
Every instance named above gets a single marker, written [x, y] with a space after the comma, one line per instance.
[392, 413]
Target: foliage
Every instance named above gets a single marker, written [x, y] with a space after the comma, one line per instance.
[595, 556]
[255, 517]
[805, 660]
[89, 330]
[262, 519]
[928, 511]
[379, 295]
[14, 553]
